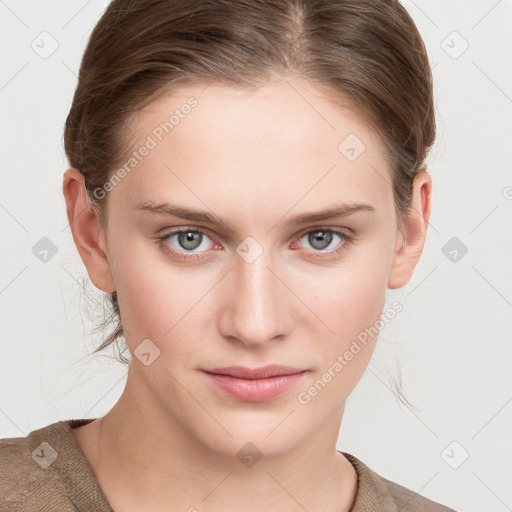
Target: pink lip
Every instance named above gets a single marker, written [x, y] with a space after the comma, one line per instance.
[255, 385]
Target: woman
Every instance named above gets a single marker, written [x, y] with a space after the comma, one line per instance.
[246, 181]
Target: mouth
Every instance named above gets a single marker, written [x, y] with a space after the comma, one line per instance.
[255, 384]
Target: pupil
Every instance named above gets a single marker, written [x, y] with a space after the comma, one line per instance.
[189, 237]
[319, 237]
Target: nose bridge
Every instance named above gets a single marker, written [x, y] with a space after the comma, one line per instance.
[254, 312]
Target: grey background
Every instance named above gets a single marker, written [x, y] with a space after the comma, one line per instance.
[452, 340]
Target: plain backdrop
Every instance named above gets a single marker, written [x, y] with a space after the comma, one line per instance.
[452, 339]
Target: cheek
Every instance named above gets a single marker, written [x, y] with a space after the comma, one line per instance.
[351, 305]
[168, 304]
[350, 300]
[352, 314]
[153, 294]
[351, 296]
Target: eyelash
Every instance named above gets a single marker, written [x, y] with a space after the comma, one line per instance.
[347, 240]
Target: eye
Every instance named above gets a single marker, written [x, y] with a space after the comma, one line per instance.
[327, 241]
[179, 242]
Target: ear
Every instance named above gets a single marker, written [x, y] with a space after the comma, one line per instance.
[87, 231]
[410, 245]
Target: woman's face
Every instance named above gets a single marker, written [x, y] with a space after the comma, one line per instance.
[266, 285]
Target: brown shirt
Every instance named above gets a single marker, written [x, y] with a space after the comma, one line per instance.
[46, 470]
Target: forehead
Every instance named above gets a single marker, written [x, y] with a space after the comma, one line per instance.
[284, 136]
[292, 108]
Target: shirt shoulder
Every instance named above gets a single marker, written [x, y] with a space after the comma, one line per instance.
[410, 501]
[46, 470]
[378, 494]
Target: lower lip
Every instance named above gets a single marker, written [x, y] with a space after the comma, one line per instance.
[255, 390]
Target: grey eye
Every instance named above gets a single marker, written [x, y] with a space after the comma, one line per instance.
[320, 239]
[190, 239]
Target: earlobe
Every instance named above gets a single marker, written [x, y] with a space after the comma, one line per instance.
[88, 234]
[414, 232]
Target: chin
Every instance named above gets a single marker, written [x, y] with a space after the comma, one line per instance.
[249, 440]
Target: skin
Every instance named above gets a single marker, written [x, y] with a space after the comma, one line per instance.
[255, 159]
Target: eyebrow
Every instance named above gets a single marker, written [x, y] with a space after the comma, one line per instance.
[170, 209]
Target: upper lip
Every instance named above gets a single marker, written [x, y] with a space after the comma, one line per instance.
[263, 372]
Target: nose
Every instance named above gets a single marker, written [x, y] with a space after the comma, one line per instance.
[255, 303]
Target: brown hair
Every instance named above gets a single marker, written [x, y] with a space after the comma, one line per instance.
[368, 52]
